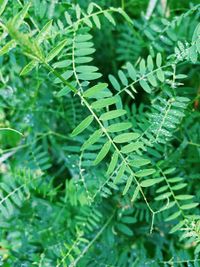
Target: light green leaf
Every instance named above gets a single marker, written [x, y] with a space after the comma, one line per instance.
[135, 194]
[29, 67]
[145, 86]
[175, 179]
[173, 216]
[163, 196]
[114, 82]
[131, 71]
[82, 126]
[113, 114]
[184, 197]
[179, 186]
[3, 4]
[150, 182]
[138, 162]
[122, 77]
[102, 103]
[177, 227]
[193, 54]
[127, 186]
[160, 75]
[84, 52]
[89, 76]
[113, 163]
[145, 172]
[131, 147]
[6, 48]
[126, 137]
[151, 79]
[93, 91]
[102, 153]
[158, 60]
[63, 92]
[109, 17]
[44, 32]
[118, 127]
[189, 206]
[86, 69]
[56, 50]
[142, 67]
[92, 139]
[96, 21]
[150, 65]
[120, 173]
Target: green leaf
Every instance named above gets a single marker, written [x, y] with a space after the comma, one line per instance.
[109, 17]
[3, 4]
[173, 216]
[63, 92]
[163, 196]
[29, 67]
[92, 139]
[151, 79]
[126, 137]
[131, 71]
[175, 179]
[123, 78]
[145, 172]
[88, 22]
[118, 127]
[84, 52]
[19, 18]
[131, 147]
[142, 66]
[135, 194]
[93, 91]
[193, 54]
[82, 126]
[44, 32]
[89, 76]
[114, 82]
[86, 69]
[150, 182]
[145, 86]
[128, 219]
[127, 186]
[96, 21]
[160, 75]
[138, 162]
[113, 114]
[150, 65]
[158, 60]
[177, 227]
[113, 163]
[6, 48]
[179, 186]
[170, 170]
[189, 206]
[120, 173]
[56, 50]
[184, 197]
[124, 229]
[162, 189]
[102, 103]
[102, 153]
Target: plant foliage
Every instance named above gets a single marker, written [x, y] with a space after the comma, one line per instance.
[99, 133]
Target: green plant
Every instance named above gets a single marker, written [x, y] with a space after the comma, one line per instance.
[99, 164]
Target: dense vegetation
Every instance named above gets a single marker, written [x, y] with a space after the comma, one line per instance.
[99, 133]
